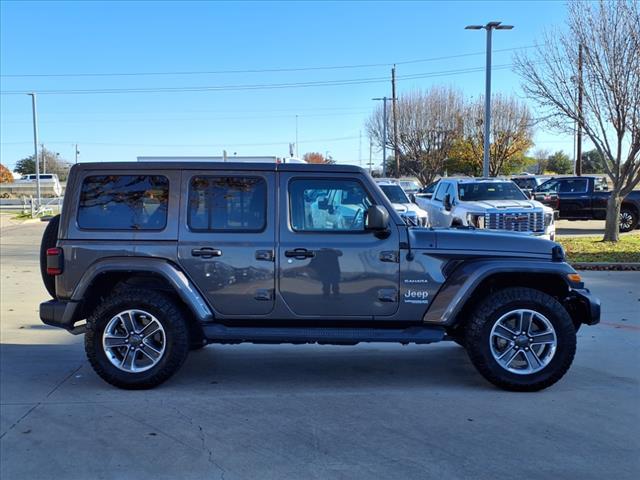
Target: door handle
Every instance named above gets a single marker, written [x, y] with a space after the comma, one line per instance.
[299, 253]
[206, 252]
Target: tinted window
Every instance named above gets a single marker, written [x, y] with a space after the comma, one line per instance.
[578, 185]
[473, 192]
[328, 205]
[395, 194]
[123, 202]
[227, 204]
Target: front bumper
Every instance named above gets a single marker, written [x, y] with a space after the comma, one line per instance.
[583, 306]
[61, 314]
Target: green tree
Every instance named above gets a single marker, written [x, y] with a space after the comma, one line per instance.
[592, 162]
[50, 162]
[560, 163]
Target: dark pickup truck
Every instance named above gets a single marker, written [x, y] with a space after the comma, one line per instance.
[585, 198]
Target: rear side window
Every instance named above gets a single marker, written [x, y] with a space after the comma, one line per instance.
[232, 204]
[123, 202]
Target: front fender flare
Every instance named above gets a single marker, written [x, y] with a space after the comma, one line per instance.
[463, 281]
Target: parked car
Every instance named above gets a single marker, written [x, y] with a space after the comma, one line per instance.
[403, 204]
[49, 180]
[528, 183]
[409, 186]
[152, 259]
[492, 204]
[585, 198]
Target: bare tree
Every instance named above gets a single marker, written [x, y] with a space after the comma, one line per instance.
[511, 132]
[541, 156]
[609, 34]
[428, 124]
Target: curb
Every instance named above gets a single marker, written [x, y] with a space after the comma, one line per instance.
[607, 266]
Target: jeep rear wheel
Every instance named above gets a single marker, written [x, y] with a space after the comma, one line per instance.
[137, 338]
[521, 339]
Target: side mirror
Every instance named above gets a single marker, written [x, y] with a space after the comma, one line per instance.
[377, 219]
[412, 197]
[447, 202]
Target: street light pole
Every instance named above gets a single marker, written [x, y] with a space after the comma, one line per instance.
[35, 147]
[489, 27]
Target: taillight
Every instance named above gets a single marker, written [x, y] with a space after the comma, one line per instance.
[54, 261]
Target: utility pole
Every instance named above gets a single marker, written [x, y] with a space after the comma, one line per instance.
[578, 158]
[76, 153]
[489, 27]
[384, 134]
[395, 121]
[370, 154]
[35, 148]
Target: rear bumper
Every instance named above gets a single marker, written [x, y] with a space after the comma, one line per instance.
[585, 307]
[61, 314]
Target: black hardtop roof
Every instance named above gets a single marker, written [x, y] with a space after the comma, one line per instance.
[239, 166]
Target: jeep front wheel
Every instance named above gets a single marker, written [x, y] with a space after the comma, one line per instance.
[137, 338]
[521, 339]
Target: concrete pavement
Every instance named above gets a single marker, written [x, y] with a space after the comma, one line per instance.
[274, 412]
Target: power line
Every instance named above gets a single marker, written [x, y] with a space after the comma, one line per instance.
[263, 70]
[210, 145]
[267, 86]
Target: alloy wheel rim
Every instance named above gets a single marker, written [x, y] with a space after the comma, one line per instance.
[625, 220]
[523, 341]
[134, 341]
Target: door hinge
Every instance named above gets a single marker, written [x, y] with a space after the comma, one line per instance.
[265, 255]
[391, 256]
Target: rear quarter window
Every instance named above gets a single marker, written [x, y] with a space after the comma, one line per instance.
[123, 202]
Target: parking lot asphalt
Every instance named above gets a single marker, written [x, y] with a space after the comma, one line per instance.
[304, 412]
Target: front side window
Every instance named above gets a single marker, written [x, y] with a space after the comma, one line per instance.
[550, 186]
[440, 192]
[327, 205]
[573, 186]
[233, 204]
[473, 192]
[123, 202]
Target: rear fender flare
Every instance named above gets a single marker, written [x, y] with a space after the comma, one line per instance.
[180, 283]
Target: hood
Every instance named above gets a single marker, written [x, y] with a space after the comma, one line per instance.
[504, 204]
[481, 242]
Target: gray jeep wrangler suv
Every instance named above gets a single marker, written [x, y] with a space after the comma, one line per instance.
[150, 260]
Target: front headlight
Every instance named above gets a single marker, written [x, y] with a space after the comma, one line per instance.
[548, 218]
[475, 220]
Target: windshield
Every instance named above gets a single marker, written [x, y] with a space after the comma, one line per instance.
[473, 192]
[395, 193]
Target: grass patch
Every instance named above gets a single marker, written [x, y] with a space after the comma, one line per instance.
[593, 249]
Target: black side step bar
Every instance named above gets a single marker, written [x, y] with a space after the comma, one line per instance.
[216, 333]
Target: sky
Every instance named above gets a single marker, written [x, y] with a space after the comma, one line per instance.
[196, 55]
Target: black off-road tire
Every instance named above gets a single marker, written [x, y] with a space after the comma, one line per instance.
[49, 240]
[624, 210]
[165, 310]
[491, 309]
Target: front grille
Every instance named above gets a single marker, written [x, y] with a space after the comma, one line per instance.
[515, 221]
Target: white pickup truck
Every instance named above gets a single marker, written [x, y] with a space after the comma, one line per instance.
[492, 204]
